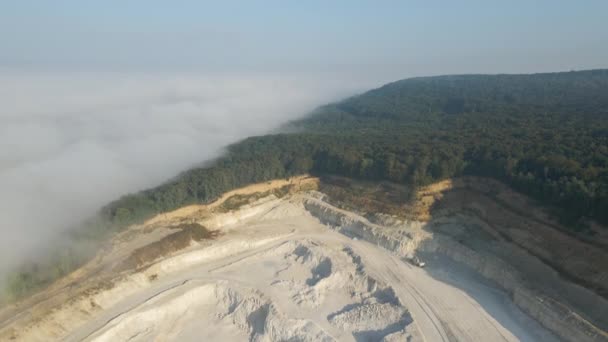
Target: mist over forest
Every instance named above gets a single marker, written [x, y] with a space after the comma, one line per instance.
[74, 141]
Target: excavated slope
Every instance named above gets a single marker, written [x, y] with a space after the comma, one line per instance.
[299, 268]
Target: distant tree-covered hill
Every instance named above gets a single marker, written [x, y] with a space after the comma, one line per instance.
[545, 135]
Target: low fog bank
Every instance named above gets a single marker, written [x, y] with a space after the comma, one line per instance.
[73, 142]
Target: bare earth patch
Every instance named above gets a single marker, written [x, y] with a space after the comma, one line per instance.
[279, 261]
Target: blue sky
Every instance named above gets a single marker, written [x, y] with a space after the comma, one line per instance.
[398, 38]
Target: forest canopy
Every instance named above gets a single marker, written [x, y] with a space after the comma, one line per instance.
[546, 135]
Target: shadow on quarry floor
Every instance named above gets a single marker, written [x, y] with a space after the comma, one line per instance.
[493, 300]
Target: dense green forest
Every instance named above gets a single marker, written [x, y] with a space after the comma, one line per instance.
[546, 135]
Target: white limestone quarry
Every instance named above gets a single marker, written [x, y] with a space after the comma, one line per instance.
[296, 269]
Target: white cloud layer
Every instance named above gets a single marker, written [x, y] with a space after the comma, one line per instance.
[73, 142]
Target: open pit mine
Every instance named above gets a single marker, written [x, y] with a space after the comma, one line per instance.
[306, 259]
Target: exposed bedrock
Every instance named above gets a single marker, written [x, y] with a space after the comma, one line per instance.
[570, 311]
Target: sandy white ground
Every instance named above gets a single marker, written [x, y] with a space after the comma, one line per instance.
[277, 273]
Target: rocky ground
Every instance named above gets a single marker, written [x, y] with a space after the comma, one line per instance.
[297, 264]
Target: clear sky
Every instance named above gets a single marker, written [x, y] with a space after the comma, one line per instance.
[399, 38]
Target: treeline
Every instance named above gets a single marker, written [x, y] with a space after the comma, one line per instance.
[545, 135]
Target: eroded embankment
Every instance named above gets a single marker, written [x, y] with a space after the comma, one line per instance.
[261, 264]
[569, 310]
